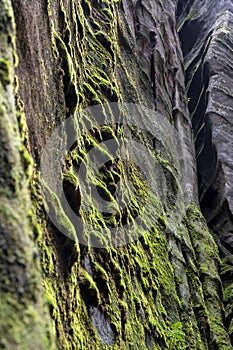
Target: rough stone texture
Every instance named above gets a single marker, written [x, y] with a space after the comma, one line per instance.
[206, 34]
[24, 321]
[163, 290]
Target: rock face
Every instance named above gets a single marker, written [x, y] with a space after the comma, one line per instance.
[24, 319]
[206, 34]
[126, 256]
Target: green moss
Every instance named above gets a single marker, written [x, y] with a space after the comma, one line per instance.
[91, 290]
[208, 261]
[228, 300]
[56, 211]
[13, 335]
[176, 337]
[137, 288]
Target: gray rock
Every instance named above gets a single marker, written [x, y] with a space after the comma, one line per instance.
[206, 33]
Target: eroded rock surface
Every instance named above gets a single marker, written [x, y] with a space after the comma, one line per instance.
[162, 290]
[206, 33]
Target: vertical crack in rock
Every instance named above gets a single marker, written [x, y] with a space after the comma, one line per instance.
[206, 34]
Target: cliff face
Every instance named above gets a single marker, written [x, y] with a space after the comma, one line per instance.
[133, 264]
[206, 34]
[22, 307]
